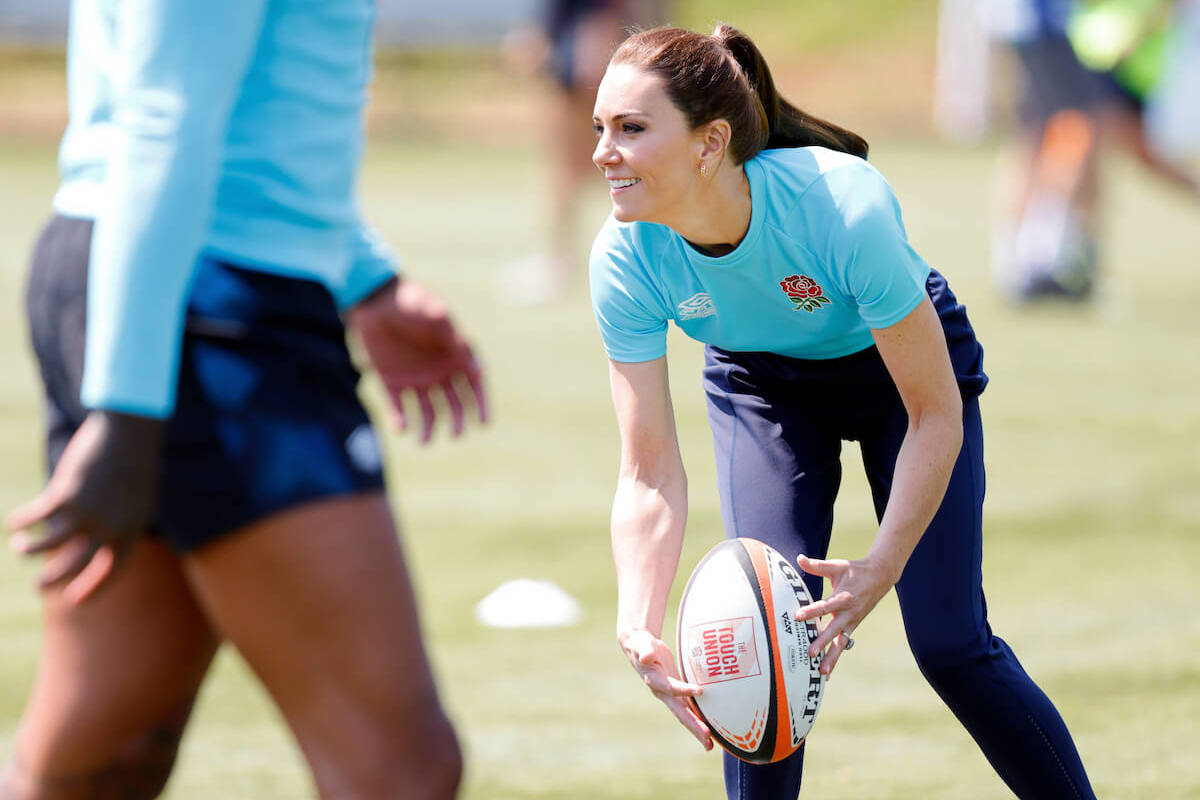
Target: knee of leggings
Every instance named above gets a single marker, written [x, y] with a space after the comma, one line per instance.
[945, 664]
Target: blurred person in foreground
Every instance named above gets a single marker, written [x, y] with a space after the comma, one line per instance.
[763, 232]
[1086, 70]
[214, 476]
[572, 48]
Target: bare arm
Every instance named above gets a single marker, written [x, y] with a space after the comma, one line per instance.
[916, 356]
[915, 353]
[648, 518]
[650, 507]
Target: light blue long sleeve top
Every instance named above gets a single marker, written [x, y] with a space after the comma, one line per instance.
[209, 128]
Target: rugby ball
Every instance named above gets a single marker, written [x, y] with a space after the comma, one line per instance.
[738, 638]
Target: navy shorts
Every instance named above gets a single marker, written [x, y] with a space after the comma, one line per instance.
[267, 414]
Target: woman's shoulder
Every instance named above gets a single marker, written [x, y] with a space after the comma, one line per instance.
[803, 167]
[643, 241]
[816, 180]
[626, 268]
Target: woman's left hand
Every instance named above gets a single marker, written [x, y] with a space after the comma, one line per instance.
[855, 587]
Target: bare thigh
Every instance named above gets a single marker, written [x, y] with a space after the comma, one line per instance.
[115, 684]
[318, 601]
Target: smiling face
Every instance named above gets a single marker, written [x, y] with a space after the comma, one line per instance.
[646, 150]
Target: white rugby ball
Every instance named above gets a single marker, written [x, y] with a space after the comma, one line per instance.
[737, 636]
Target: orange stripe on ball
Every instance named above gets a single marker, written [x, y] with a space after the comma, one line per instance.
[762, 573]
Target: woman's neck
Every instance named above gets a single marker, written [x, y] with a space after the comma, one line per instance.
[719, 218]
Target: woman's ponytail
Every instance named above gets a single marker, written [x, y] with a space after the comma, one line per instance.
[724, 76]
[787, 125]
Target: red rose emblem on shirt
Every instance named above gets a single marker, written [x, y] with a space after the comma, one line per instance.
[804, 292]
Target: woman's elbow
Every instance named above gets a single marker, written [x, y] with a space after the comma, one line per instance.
[945, 417]
[950, 418]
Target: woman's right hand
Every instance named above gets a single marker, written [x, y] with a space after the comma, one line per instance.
[652, 659]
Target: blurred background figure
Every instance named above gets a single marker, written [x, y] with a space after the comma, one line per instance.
[963, 78]
[1173, 106]
[1128, 42]
[1045, 240]
[572, 48]
[1150, 49]
[1087, 71]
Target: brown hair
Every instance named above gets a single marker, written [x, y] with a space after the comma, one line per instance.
[724, 76]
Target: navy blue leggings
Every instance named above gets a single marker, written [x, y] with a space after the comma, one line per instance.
[778, 425]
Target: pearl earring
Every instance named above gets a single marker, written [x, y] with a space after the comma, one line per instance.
[703, 170]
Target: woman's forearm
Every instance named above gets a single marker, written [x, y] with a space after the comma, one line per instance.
[647, 535]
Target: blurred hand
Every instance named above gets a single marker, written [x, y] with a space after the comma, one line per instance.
[416, 349]
[652, 659]
[855, 588]
[97, 503]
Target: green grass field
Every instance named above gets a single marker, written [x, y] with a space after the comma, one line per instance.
[1092, 521]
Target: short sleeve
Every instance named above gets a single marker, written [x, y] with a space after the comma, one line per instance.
[625, 299]
[869, 252]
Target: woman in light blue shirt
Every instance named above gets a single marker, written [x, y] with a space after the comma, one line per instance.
[762, 232]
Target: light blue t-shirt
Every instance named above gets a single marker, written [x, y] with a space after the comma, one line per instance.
[225, 128]
[824, 261]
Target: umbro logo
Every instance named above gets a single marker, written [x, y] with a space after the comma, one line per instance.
[697, 306]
